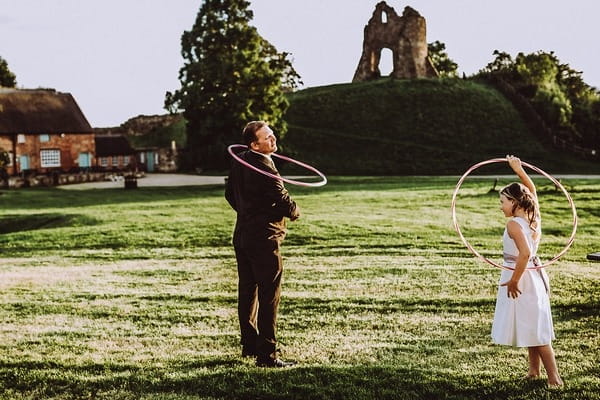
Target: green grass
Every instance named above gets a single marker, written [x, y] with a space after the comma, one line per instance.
[412, 127]
[114, 294]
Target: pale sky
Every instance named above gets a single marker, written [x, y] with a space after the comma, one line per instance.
[119, 57]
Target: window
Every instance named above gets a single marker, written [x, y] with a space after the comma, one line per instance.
[50, 158]
[104, 161]
[20, 138]
[44, 137]
[115, 161]
[386, 62]
[11, 157]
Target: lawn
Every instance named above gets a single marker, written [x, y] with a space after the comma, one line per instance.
[131, 294]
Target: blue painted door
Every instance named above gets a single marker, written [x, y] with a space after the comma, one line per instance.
[150, 161]
[24, 162]
[84, 160]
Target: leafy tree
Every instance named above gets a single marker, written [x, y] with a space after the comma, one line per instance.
[558, 92]
[572, 82]
[503, 66]
[537, 68]
[585, 102]
[231, 75]
[440, 59]
[539, 71]
[7, 78]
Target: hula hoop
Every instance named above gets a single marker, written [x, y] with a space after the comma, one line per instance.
[556, 182]
[281, 178]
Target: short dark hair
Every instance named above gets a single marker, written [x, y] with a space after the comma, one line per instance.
[249, 132]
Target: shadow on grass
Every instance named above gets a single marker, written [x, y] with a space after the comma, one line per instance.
[572, 311]
[30, 222]
[393, 304]
[35, 198]
[229, 378]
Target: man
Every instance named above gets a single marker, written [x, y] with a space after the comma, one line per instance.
[261, 203]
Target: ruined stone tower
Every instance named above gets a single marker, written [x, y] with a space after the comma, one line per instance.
[404, 35]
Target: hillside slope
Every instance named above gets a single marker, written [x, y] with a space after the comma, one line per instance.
[425, 126]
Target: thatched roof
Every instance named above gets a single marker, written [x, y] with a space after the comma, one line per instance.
[40, 111]
[112, 145]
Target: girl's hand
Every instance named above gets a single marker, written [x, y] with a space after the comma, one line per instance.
[512, 289]
[514, 163]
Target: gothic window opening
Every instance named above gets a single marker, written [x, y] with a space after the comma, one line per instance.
[386, 62]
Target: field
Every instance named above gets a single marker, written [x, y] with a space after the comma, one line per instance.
[115, 294]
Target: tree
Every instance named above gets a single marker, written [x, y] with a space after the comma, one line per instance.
[567, 104]
[440, 59]
[539, 71]
[230, 76]
[586, 105]
[503, 63]
[7, 78]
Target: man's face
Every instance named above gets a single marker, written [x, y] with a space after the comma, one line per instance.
[266, 142]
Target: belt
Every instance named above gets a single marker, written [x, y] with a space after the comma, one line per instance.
[509, 258]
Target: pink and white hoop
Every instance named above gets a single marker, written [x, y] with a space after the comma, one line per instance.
[555, 181]
[281, 178]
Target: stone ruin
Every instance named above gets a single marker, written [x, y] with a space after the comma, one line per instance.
[404, 35]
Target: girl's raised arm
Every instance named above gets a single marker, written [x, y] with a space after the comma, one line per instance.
[515, 164]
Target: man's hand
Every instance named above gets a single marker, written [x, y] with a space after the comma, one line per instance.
[296, 214]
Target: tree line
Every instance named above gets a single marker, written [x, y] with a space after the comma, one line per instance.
[232, 75]
[568, 105]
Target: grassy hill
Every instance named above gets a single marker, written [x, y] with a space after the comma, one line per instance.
[425, 126]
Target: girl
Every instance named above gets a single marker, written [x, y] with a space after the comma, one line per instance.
[522, 317]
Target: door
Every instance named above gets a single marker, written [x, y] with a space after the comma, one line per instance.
[84, 160]
[150, 161]
[23, 162]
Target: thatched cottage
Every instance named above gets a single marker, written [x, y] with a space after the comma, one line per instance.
[44, 131]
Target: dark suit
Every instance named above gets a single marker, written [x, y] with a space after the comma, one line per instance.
[261, 203]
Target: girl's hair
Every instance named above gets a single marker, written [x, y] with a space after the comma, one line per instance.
[524, 199]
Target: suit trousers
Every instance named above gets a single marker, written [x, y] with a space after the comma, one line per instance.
[260, 269]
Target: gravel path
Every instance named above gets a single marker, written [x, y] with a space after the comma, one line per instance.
[192, 180]
[152, 180]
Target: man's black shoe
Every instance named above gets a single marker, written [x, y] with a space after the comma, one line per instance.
[274, 363]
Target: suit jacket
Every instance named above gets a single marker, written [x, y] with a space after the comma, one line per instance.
[261, 202]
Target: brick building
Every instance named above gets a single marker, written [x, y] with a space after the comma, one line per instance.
[113, 152]
[44, 131]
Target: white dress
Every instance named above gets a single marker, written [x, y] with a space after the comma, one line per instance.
[525, 321]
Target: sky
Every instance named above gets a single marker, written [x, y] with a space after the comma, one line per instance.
[118, 58]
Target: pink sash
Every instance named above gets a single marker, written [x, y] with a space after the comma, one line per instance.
[509, 258]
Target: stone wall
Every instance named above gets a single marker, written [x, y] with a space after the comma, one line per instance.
[404, 35]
